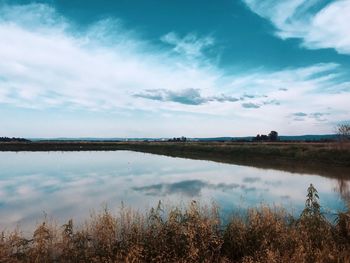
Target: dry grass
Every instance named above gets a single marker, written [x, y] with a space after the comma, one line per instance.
[192, 234]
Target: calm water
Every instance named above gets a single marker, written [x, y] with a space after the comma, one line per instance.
[71, 184]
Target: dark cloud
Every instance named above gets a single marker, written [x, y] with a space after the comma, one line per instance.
[250, 105]
[151, 96]
[194, 97]
[249, 96]
[283, 89]
[300, 114]
[186, 96]
[223, 98]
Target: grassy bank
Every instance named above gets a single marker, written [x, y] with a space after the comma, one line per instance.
[330, 159]
[192, 234]
[263, 154]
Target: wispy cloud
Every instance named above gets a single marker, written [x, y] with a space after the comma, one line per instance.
[271, 102]
[319, 24]
[46, 64]
[318, 116]
[190, 45]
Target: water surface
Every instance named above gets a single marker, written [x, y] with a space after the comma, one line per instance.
[67, 185]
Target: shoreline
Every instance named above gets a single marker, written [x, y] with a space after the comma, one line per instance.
[328, 159]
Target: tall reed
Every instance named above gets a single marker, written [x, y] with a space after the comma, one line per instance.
[191, 234]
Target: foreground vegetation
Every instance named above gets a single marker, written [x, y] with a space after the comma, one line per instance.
[192, 234]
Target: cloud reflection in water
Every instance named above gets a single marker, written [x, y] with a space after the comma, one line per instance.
[71, 184]
[190, 188]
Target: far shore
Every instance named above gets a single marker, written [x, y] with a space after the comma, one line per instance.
[324, 158]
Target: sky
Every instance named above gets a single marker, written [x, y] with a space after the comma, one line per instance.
[161, 68]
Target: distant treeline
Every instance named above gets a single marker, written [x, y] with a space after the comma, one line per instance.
[179, 139]
[13, 139]
[271, 137]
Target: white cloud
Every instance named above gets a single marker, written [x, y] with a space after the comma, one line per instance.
[327, 27]
[46, 64]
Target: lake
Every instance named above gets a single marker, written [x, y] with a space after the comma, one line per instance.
[67, 185]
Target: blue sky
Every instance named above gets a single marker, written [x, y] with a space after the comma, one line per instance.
[152, 68]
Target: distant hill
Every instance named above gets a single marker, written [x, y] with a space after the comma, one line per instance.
[224, 139]
[308, 137]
